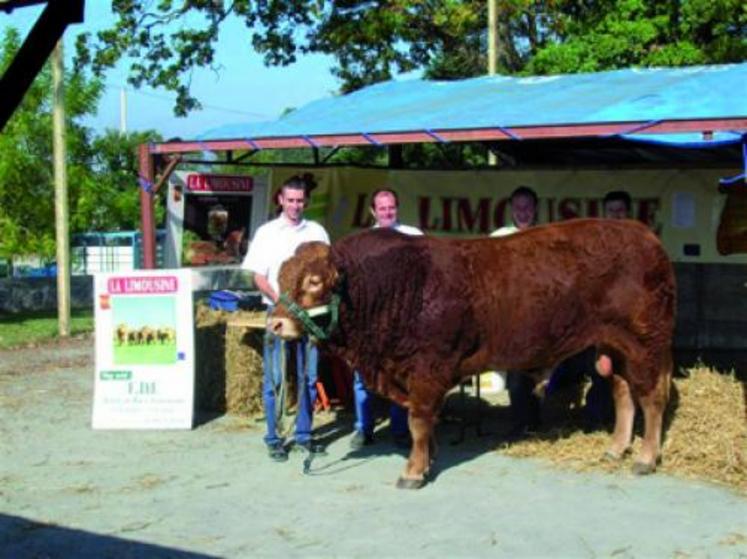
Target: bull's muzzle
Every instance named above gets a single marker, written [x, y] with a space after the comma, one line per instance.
[282, 327]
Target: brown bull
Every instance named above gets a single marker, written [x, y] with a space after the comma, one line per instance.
[418, 314]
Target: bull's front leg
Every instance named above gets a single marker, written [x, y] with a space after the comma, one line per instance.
[427, 386]
[419, 462]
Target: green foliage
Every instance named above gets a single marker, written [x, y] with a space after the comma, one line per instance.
[636, 32]
[36, 327]
[26, 173]
[373, 39]
[110, 200]
[101, 171]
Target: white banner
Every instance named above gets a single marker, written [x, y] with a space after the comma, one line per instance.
[144, 350]
[682, 206]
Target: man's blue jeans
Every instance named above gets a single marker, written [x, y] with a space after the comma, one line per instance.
[307, 359]
[364, 420]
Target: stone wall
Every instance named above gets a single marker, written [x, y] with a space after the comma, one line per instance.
[37, 294]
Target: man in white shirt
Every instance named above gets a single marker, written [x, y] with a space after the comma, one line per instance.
[599, 408]
[385, 210]
[523, 206]
[274, 243]
[617, 205]
[524, 404]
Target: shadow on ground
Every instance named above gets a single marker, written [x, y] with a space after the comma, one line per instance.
[21, 538]
[468, 427]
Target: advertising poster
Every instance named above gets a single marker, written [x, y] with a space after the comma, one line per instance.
[144, 350]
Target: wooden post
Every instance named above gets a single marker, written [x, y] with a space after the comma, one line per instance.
[60, 193]
[147, 221]
[492, 37]
[396, 159]
[492, 55]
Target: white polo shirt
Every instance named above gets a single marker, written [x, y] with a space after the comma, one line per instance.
[505, 231]
[404, 229]
[275, 242]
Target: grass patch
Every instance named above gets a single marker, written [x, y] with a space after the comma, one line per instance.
[155, 354]
[34, 327]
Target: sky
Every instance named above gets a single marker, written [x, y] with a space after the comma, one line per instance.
[136, 312]
[243, 91]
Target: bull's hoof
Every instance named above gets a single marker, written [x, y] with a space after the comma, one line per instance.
[643, 469]
[612, 456]
[405, 483]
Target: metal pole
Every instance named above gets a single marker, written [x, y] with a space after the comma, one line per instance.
[492, 55]
[60, 193]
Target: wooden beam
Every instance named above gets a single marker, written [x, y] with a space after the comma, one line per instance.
[463, 135]
[34, 52]
[396, 160]
[10, 5]
[173, 162]
[147, 219]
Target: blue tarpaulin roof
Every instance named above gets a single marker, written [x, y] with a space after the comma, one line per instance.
[506, 103]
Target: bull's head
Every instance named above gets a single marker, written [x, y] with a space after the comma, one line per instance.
[307, 291]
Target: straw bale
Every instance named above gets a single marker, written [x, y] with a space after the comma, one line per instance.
[705, 437]
[708, 434]
[243, 367]
[210, 328]
[228, 361]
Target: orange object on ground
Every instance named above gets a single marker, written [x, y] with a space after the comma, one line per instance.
[322, 401]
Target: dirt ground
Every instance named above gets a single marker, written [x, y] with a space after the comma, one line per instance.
[69, 491]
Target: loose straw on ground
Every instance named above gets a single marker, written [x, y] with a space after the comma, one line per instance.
[706, 437]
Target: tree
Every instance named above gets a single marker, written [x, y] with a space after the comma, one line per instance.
[374, 39]
[26, 178]
[109, 198]
[102, 171]
[624, 33]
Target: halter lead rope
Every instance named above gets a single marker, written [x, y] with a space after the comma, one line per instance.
[279, 383]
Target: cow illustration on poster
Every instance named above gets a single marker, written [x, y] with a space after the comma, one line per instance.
[146, 330]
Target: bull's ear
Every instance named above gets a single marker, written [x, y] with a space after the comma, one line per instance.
[333, 276]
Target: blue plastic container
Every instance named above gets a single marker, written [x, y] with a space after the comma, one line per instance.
[224, 301]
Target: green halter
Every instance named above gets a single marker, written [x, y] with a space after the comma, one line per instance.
[305, 316]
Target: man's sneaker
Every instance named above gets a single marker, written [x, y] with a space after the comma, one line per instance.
[360, 439]
[277, 452]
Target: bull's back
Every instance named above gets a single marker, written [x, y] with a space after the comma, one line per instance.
[572, 254]
[558, 285]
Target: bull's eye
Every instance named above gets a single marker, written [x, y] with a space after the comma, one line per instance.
[312, 283]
